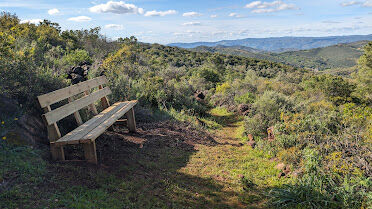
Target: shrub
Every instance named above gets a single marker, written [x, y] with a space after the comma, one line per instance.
[77, 56]
[317, 189]
[266, 112]
[246, 98]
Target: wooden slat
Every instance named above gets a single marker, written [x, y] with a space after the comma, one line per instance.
[92, 135]
[104, 100]
[77, 116]
[53, 131]
[131, 120]
[90, 152]
[66, 110]
[74, 136]
[92, 107]
[61, 94]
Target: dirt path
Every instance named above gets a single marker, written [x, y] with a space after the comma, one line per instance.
[226, 164]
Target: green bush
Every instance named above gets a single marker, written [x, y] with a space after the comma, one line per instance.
[318, 189]
[266, 112]
[77, 56]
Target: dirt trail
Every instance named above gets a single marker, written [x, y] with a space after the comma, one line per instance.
[224, 163]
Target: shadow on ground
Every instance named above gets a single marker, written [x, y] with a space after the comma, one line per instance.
[138, 170]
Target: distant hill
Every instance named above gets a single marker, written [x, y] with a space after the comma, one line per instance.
[335, 56]
[280, 44]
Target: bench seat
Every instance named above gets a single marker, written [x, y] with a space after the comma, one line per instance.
[79, 96]
[94, 127]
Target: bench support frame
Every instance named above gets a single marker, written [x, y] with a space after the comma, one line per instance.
[90, 152]
[54, 134]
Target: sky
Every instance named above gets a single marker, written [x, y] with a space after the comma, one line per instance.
[169, 21]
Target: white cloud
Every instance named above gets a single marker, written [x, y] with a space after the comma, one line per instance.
[191, 14]
[32, 21]
[330, 22]
[191, 23]
[80, 19]
[53, 11]
[367, 3]
[117, 7]
[213, 16]
[268, 7]
[234, 15]
[253, 4]
[160, 13]
[350, 3]
[114, 26]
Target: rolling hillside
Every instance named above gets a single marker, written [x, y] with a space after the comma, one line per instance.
[280, 44]
[335, 56]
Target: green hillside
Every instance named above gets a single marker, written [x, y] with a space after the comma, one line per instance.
[214, 130]
[336, 56]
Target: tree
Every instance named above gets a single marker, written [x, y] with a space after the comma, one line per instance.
[364, 75]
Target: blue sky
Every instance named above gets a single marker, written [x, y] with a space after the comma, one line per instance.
[166, 21]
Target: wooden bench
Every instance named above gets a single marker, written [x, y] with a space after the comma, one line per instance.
[87, 132]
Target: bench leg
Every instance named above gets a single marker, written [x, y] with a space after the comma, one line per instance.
[131, 121]
[57, 152]
[90, 152]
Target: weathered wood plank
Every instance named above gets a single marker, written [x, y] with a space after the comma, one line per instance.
[53, 131]
[77, 116]
[74, 136]
[104, 100]
[90, 152]
[66, 110]
[61, 94]
[92, 107]
[92, 135]
[131, 120]
[53, 135]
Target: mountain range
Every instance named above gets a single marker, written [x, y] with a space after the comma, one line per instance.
[330, 57]
[280, 44]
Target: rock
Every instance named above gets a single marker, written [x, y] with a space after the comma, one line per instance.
[79, 73]
[199, 96]
[28, 130]
[244, 109]
[8, 107]
[287, 169]
[280, 166]
[281, 174]
[251, 143]
[296, 173]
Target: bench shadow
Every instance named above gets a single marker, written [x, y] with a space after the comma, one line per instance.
[146, 168]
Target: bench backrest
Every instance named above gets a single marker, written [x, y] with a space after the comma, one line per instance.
[51, 117]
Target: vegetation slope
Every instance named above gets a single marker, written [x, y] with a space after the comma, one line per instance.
[321, 123]
[330, 57]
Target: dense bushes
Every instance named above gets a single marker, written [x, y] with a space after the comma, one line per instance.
[322, 123]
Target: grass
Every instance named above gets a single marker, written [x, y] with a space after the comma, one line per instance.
[163, 174]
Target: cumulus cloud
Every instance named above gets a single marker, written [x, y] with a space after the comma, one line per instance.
[32, 21]
[116, 7]
[330, 22]
[53, 11]
[80, 19]
[213, 16]
[191, 14]
[234, 15]
[160, 13]
[367, 3]
[191, 23]
[114, 26]
[268, 7]
[350, 3]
